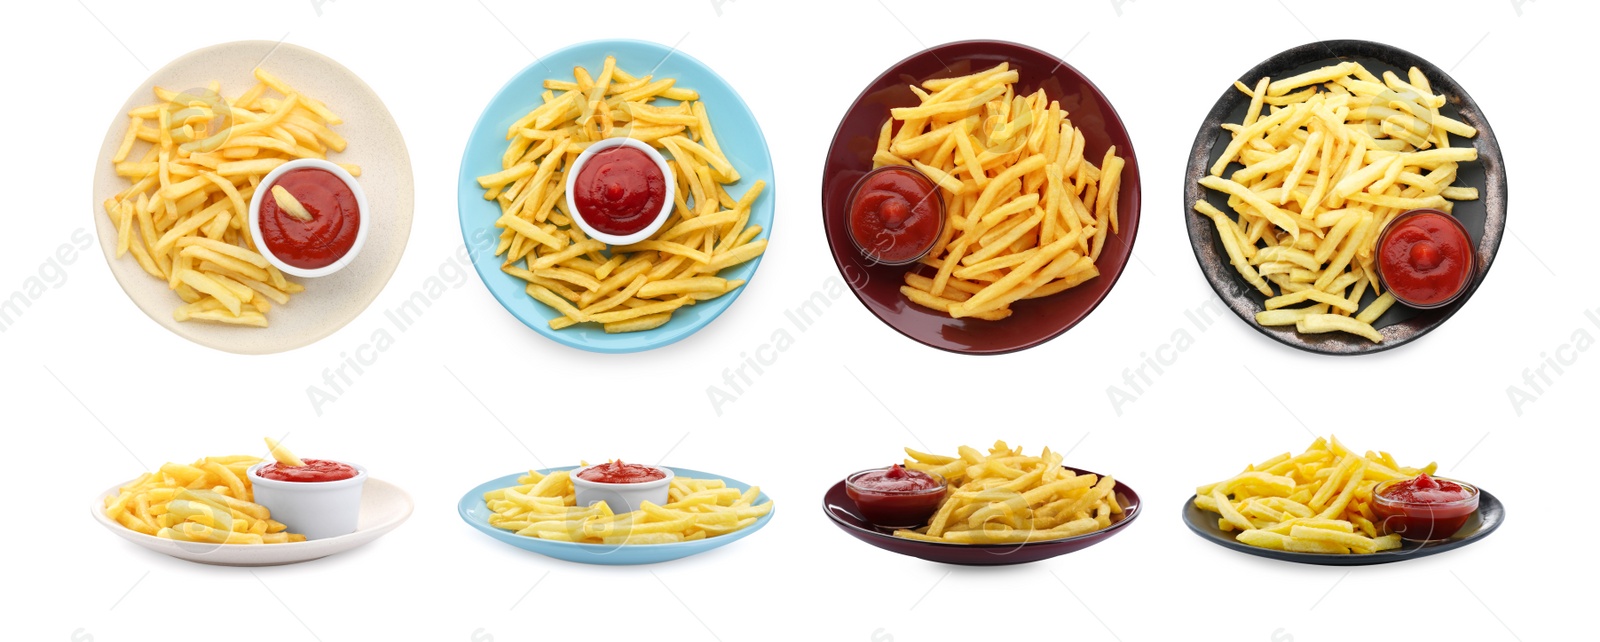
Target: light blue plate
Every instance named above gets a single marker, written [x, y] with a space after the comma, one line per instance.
[737, 133]
[476, 512]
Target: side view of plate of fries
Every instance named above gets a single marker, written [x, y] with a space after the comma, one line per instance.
[537, 511]
[536, 258]
[1001, 506]
[1289, 201]
[1317, 507]
[206, 512]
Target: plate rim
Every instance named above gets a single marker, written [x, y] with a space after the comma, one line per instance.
[96, 215]
[1130, 237]
[97, 509]
[1207, 136]
[472, 499]
[1352, 559]
[852, 528]
[650, 339]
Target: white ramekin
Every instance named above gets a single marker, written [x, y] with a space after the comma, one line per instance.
[364, 217]
[622, 498]
[666, 205]
[318, 510]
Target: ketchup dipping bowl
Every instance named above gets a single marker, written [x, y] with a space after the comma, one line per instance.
[1425, 259]
[1416, 516]
[334, 235]
[624, 497]
[896, 215]
[894, 497]
[316, 509]
[612, 194]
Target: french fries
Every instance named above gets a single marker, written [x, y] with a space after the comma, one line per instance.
[198, 161]
[545, 506]
[281, 454]
[1337, 154]
[1319, 501]
[1005, 496]
[636, 287]
[1027, 213]
[208, 501]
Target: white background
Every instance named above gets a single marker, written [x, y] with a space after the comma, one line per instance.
[93, 391]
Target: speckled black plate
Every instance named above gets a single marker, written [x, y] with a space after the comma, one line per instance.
[1485, 218]
[1491, 513]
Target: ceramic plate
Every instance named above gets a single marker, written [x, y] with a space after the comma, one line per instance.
[842, 510]
[878, 286]
[384, 506]
[1488, 518]
[1485, 219]
[330, 302]
[476, 512]
[737, 133]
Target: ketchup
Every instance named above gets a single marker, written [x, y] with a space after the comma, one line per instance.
[315, 470]
[619, 190]
[331, 232]
[896, 215]
[894, 497]
[896, 479]
[1424, 508]
[1425, 258]
[1423, 489]
[616, 472]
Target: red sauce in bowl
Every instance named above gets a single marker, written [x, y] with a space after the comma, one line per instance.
[331, 232]
[619, 190]
[896, 215]
[315, 470]
[1424, 508]
[895, 497]
[1425, 258]
[616, 472]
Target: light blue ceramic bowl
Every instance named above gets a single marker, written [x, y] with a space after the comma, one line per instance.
[476, 512]
[737, 133]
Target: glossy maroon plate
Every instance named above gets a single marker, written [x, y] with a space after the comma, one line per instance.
[878, 287]
[843, 512]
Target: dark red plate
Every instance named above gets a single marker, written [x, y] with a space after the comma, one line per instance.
[878, 287]
[843, 512]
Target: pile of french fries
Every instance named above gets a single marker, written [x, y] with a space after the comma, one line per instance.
[209, 501]
[1328, 158]
[1026, 214]
[1319, 501]
[185, 217]
[1005, 496]
[545, 506]
[636, 287]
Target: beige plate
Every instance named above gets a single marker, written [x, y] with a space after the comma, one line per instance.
[384, 506]
[375, 144]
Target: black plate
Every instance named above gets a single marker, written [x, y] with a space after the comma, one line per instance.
[1489, 516]
[1485, 218]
